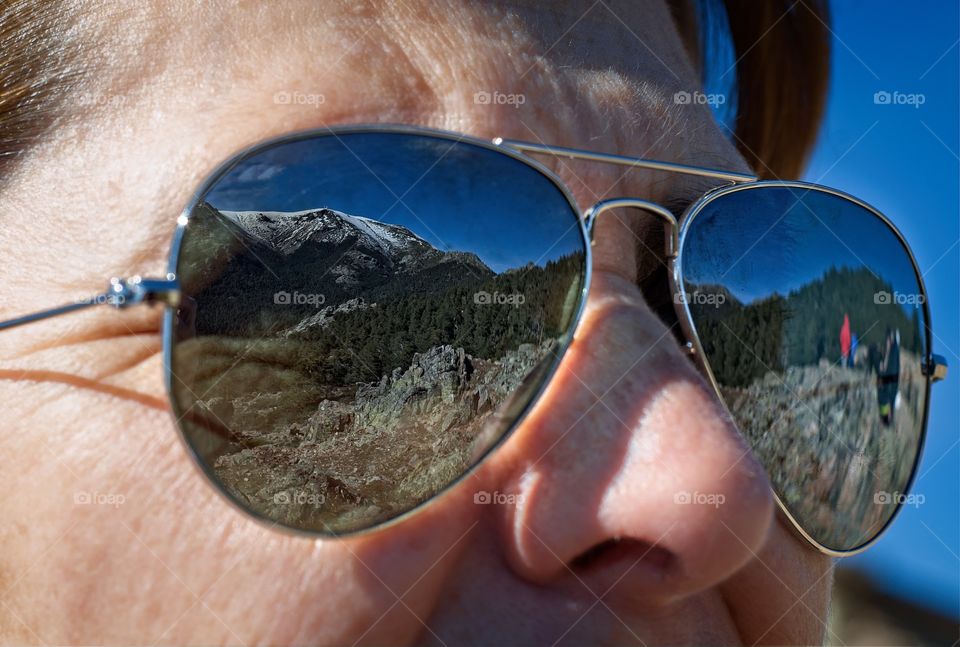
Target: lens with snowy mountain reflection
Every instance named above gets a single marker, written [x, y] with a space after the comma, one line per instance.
[363, 317]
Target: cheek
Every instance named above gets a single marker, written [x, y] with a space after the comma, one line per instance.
[118, 537]
[112, 498]
[783, 595]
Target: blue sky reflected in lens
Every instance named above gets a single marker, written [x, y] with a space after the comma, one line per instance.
[766, 241]
[456, 196]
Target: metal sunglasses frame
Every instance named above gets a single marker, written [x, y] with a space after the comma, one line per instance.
[123, 293]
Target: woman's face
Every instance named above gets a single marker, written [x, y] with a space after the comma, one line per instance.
[594, 548]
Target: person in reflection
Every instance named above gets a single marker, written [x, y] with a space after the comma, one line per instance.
[845, 341]
[888, 377]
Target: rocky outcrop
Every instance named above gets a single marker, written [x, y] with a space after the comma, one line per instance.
[325, 315]
[831, 459]
[392, 444]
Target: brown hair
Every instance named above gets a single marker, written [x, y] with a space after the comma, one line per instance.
[783, 71]
[782, 52]
[38, 66]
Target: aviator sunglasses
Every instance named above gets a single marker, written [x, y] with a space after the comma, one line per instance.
[356, 317]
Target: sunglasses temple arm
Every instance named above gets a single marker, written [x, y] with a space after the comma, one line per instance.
[122, 293]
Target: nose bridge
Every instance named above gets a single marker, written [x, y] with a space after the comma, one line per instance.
[671, 231]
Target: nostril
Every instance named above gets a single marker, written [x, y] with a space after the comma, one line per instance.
[628, 551]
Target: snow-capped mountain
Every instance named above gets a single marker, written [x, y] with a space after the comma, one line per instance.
[262, 254]
[286, 231]
[363, 244]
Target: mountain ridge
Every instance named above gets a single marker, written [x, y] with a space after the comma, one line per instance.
[319, 252]
[287, 231]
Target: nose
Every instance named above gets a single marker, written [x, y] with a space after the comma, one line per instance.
[628, 469]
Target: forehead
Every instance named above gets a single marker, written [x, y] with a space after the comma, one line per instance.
[563, 31]
[405, 56]
[255, 71]
[176, 88]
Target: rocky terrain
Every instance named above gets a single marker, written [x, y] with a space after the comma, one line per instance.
[831, 460]
[366, 456]
[326, 315]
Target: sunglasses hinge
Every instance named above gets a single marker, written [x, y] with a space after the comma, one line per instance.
[122, 293]
[135, 290]
[935, 367]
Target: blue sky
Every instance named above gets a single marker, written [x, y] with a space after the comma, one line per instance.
[904, 161]
[456, 197]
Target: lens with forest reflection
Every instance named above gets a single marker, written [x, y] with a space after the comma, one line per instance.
[364, 316]
[812, 320]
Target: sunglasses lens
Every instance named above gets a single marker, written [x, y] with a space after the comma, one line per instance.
[812, 319]
[364, 317]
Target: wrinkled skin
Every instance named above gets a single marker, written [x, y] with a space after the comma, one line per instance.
[626, 424]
